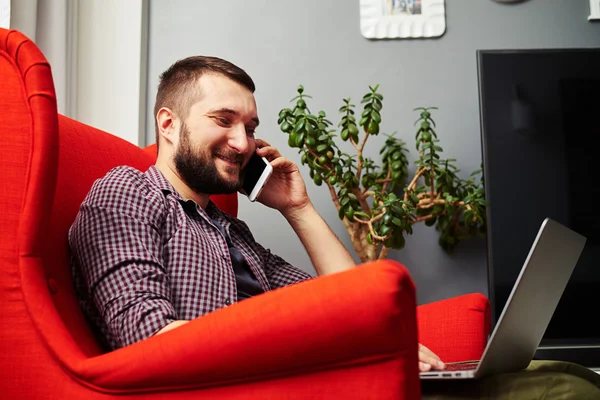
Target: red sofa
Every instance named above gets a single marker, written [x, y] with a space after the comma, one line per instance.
[344, 336]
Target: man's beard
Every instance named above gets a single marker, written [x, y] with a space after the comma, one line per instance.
[198, 170]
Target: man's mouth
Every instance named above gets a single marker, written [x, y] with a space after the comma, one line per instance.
[233, 160]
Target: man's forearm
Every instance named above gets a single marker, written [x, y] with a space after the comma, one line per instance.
[172, 325]
[325, 250]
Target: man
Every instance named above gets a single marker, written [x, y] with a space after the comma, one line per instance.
[151, 251]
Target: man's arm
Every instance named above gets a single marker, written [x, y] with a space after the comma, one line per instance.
[116, 241]
[285, 191]
[172, 325]
[325, 250]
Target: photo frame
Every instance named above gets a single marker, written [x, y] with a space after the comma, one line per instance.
[400, 19]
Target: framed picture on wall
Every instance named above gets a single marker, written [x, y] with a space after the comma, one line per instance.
[401, 19]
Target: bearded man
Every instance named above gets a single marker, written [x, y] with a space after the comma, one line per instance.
[152, 252]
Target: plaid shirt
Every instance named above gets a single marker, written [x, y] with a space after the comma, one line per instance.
[143, 257]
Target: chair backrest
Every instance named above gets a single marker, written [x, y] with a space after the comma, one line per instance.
[48, 164]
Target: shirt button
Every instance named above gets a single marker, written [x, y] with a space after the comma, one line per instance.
[223, 256]
[228, 302]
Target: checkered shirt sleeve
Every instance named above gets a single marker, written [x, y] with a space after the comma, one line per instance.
[116, 243]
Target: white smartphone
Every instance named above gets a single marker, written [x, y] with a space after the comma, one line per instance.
[256, 174]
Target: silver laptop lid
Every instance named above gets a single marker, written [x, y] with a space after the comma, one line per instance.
[533, 299]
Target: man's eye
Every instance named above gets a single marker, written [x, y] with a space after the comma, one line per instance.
[223, 121]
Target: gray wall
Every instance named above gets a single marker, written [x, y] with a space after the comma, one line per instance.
[318, 44]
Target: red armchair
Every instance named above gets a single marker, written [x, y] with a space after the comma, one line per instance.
[344, 336]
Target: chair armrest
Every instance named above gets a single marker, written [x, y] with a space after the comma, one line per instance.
[365, 315]
[456, 329]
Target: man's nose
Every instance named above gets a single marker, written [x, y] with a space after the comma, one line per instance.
[238, 139]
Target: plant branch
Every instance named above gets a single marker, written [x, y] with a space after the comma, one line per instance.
[387, 180]
[383, 253]
[411, 186]
[360, 153]
[336, 202]
[362, 199]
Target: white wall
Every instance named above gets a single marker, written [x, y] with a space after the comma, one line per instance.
[4, 14]
[111, 66]
[51, 37]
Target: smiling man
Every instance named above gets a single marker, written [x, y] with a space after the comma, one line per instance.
[152, 252]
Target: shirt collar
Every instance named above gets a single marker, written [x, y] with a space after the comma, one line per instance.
[158, 179]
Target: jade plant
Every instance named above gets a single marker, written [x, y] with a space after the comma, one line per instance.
[376, 202]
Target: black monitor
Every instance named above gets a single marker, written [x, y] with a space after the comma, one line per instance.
[540, 122]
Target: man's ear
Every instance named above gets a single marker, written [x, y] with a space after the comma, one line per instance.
[168, 126]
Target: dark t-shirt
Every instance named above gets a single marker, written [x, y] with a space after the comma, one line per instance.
[247, 284]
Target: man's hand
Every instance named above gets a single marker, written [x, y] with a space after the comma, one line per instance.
[428, 359]
[285, 191]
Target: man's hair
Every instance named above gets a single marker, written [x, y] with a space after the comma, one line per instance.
[177, 89]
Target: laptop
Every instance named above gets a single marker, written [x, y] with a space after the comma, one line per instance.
[529, 307]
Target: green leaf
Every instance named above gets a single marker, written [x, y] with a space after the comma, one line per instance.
[397, 221]
[309, 127]
[399, 242]
[299, 140]
[375, 116]
[341, 213]
[299, 125]
[350, 213]
[322, 147]
[397, 155]
[361, 214]
[384, 230]
[373, 127]
[286, 127]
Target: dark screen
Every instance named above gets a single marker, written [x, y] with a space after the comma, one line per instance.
[252, 172]
[539, 120]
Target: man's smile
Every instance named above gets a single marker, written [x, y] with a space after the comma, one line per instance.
[232, 161]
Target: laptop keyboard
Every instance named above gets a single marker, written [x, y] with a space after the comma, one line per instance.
[461, 366]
